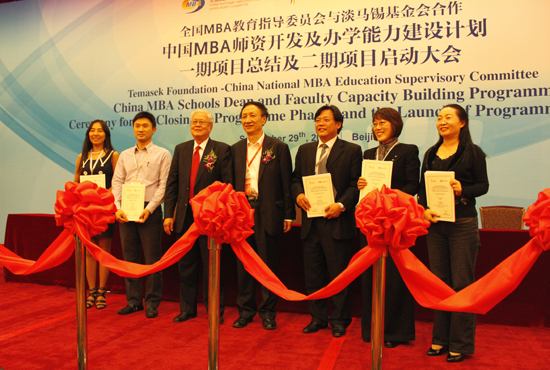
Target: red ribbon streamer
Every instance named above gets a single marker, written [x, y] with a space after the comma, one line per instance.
[57, 253]
[389, 218]
[374, 216]
[85, 210]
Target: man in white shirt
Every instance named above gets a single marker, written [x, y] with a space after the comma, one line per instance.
[144, 164]
[262, 168]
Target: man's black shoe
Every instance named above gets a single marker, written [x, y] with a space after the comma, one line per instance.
[241, 322]
[129, 309]
[313, 327]
[184, 316]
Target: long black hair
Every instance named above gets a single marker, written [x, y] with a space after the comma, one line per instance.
[87, 146]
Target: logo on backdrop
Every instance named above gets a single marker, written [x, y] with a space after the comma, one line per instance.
[192, 6]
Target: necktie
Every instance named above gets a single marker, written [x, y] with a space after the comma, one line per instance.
[323, 160]
[194, 169]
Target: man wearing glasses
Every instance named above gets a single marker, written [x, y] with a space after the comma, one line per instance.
[196, 164]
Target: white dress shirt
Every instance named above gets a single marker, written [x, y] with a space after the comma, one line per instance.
[150, 166]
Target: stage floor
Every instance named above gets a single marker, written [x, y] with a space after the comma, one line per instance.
[39, 332]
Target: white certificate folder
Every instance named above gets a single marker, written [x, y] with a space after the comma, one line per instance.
[133, 200]
[440, 194]
[319, 192]
[377, 173]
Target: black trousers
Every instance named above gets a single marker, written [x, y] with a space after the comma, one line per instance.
[453, 248]
[188, 267]
[399, 304]
[267, 247]
[324, 259]
[134, 237]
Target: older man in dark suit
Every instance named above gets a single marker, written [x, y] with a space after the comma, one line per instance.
[327, 240]
[196, 164]
[263, 170]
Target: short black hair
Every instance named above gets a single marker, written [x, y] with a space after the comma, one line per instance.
[338, 117]
[258, 104]
[147, 115]
[393, 117]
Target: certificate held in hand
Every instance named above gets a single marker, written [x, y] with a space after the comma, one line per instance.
[133, 200]
[319, 192]
[377, 173]
[440, 194]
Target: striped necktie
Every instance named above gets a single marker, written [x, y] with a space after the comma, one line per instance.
[323, 160]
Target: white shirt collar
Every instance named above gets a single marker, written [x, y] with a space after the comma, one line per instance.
[260, 140]
[147, 147]
[329, 143]
[202, 145]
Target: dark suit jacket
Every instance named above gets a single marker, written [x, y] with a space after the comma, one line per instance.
[406, 167]
[177, 186]
[275, 202]
[344, 164]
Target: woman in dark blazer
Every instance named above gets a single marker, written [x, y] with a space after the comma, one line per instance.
[453, 246]
[399, 307]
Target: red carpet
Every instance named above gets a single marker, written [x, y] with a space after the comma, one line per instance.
[38, 331]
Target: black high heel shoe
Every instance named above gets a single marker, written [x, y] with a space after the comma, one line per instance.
[101, 302]
[437, 352]
[92, 295]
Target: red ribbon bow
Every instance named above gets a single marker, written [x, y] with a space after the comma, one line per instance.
[537, 218]
[223, 214]
[390, 218]
[90, 206]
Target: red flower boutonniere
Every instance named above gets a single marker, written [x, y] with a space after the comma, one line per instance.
[268, 156]
[209, 160]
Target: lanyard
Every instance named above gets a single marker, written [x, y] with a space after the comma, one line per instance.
[139, 167]
[257, 151]
[92, 164]
[388, 152]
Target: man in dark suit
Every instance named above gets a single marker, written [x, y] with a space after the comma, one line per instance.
[196, 164]
[327, 240]
[263, 170]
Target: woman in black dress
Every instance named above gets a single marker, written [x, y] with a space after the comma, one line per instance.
[399, 307]
[98, 157]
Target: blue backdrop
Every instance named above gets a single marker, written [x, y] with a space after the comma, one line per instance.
[64, 63]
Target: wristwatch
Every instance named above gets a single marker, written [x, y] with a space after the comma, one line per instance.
[342, 208]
